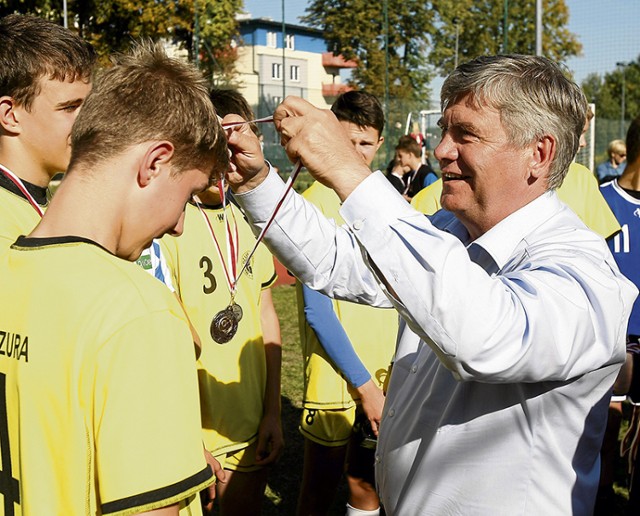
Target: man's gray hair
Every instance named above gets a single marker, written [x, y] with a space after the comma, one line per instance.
[534, 99]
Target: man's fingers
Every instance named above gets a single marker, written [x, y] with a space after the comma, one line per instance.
[291, 107]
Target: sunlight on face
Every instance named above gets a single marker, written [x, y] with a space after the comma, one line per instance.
[366, 140]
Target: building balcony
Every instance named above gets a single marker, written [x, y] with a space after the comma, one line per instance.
[330, 60]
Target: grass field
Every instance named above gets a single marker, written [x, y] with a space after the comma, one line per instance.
[284, 479]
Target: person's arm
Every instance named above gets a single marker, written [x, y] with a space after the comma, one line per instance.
[496, 328]
[270, 438]
[322, 319]
[483, 328]
[308, 251]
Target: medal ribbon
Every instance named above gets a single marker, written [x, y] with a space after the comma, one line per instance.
[287, 187]
[229, 265]
[227, 125]
[17, 181]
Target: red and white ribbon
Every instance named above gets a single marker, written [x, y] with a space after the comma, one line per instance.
[18, 182]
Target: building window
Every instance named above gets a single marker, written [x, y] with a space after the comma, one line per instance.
[294, 73]
[276, 71]
[272, 39]
[291, 41]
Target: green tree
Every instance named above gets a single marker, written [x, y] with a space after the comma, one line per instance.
[44, 8]
[356, 29]
[478, 26]
[112, 25]
[218, 29]
[606, 91]
[439, 33]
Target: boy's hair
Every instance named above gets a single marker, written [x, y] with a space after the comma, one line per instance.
[148, 96]
[406, 143]
[32, 48]
[633, 140]
[229, 102]
[616, 147]
[360, 108]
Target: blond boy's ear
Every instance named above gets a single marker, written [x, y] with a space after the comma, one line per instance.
[156, 161]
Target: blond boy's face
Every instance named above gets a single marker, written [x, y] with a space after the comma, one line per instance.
[167, 199]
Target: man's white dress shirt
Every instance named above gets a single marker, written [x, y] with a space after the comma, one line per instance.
[507, 350]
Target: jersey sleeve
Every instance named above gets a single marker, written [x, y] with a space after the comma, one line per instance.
[322, 319]
[149, 451]
[265, 266]
[154, 261]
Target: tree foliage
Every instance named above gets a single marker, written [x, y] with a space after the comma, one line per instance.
[606, 91]
[356, 29]
[112, 25]
[423, 36]
[480, 29]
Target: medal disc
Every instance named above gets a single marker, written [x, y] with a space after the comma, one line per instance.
[237, 310]
[224, 326]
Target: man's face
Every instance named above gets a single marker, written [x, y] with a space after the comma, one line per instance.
[485, 177]
[366, 140]
[46, 126]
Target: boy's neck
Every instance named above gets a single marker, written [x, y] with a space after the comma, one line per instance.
[630, 178]
[24, 167]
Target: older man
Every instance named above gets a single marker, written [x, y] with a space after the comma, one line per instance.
[513, 312]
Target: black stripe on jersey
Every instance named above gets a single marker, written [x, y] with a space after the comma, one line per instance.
[157, 495]
[270, 282]
[35, 242]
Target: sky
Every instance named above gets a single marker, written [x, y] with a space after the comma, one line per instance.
[608, 30]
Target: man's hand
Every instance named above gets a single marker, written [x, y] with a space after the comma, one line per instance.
[248, 168]
[372, 399]
[316, 137]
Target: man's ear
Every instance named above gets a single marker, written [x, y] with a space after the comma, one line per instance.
[156, 161]
[380, 142]
[544, 151]
[8, 119]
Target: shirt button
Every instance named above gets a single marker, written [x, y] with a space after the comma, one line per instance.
[357, 224]
[378, 459]
[391, 413]
[414, 369]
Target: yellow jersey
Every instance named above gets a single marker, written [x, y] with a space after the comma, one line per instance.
[99, 399]
[372, 332]
[232, 376]
[17, 217]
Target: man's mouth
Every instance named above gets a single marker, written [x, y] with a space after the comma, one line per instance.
[447, 176]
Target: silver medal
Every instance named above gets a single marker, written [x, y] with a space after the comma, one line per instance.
[224, 325]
